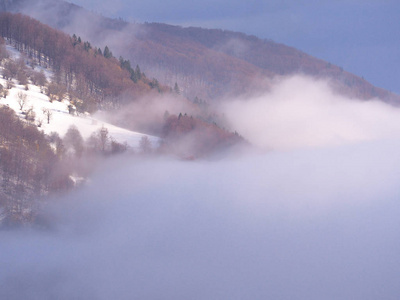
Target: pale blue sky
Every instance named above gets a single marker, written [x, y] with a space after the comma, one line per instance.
[362, 36]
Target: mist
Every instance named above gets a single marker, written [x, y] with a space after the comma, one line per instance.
[314, 215]
[300, 224]
[301, 111]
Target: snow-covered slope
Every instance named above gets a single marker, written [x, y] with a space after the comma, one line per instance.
[61, 119]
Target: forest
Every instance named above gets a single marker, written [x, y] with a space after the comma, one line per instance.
[85, 71]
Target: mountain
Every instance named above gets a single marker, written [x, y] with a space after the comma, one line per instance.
[208, 63]
[67, 75]
[51, 85]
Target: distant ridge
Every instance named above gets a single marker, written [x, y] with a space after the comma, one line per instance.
[208, 63]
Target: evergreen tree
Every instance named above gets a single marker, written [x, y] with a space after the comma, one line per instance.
[177, 90]
[155, 85]
[138, 72]
[74, 40]
[87, 46]
[125, 64]
[107, 53]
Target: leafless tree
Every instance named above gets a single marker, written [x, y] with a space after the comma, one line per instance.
[48, 114]
[118, 147]
[38, 78]
[103, 138]
[22, 100]
[56, 91]
[73, 140]
[39, 123]
[10, 70]
[30, 115]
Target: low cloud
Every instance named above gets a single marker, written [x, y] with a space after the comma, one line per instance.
[303, 112]
[306, 224]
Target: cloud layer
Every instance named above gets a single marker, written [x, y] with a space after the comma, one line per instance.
[309, 224]
[303, 112]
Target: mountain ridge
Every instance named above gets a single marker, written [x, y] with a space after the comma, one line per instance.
[209, 63]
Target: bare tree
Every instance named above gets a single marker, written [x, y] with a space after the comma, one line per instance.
[38, 78]
[48, 114]
[30, 115]
[99, 141]
[22, 100]
[22, 77]
[117, 148]
[10, 70]
[103, 138]
[74, 140]
[56, 91]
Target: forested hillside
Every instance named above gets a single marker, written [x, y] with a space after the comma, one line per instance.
[86, 72]
[208, 63]
[66, 69]
[265, 57]
[29, 169]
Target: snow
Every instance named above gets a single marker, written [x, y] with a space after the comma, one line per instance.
[61, 119]
[14, 53]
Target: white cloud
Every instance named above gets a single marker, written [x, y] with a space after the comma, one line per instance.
[302, 112]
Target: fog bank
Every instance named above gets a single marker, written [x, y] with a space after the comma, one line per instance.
[300, 111]
[304, 224]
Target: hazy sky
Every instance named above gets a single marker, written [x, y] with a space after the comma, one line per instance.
[361, 36]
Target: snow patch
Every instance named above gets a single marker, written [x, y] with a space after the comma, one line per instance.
[61, 119]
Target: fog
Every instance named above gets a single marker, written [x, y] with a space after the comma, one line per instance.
[314, 217]
[305, 224]
[155, 106]
[300, 111]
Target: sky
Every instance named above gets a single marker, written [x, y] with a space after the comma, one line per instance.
[361, 36]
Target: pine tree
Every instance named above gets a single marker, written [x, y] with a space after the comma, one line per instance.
[138, 72]
[74, 40]
[177, 90]
[107, 53]
[87, 46]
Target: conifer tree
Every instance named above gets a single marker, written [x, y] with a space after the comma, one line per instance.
[177, 89]
[107, 53]
[138, 72]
